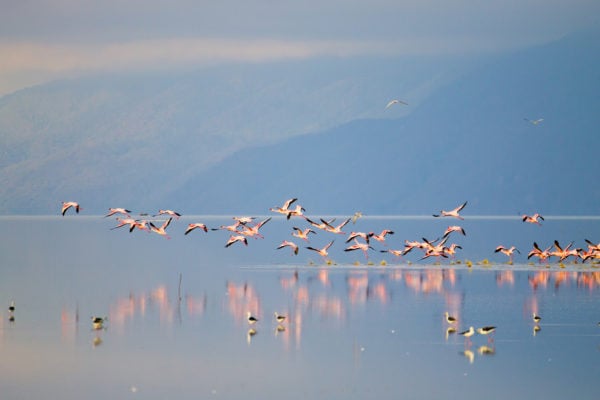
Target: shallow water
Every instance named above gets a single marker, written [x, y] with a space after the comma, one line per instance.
[177, 308]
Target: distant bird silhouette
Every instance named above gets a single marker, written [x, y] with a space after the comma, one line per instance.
[534, 121]
[395, 101]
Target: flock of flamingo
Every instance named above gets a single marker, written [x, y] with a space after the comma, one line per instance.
[246, 227]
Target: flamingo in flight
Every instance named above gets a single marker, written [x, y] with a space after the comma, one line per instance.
[296, 212]
[161, 230]
[133, 223]
[365, 236]
[507, 251]
[452, 213]
[287, 243]
[244, 220]
[543, 255]
[562, 254]
[451, 251]
[142, 225]
[454, 228]
[113, 211]
[231, 228]
[360, 246]
[68, 204]
[196, 225]
[322, 251]
[396, 253]
[381, 237]
[236, 238]
[171, 213]
[335, 229]
[323, 225]
[532, 219]
[252, 231]
[285, 208]
[302, 233]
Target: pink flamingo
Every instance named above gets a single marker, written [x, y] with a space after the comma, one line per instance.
[162, 229]
[197, 225]
[532, 219]
[452, 213]
[322, 251]
[236, 238]
[68, 204]
[507, 251]
[289, 244]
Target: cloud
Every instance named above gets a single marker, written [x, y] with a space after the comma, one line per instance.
[166, 53]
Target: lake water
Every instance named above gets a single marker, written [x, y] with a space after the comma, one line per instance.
[176, 313]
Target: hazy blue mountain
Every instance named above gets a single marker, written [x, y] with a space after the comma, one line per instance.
[468, 141]
[134, 139]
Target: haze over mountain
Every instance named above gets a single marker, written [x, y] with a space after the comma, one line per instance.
[242, 139]
[130, 139]
[468, 141]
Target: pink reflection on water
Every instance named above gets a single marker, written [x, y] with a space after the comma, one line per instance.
[358, 284]
[242, 299]
[506, 277]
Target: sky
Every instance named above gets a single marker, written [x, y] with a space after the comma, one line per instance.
[42, 40]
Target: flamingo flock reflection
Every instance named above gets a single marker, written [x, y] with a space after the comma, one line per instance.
[312, 294]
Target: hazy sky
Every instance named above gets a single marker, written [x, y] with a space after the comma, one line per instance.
[45, 39]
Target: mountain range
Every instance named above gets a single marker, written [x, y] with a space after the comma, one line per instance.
[240, 139]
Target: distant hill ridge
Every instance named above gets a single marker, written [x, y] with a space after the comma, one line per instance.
[238, 140]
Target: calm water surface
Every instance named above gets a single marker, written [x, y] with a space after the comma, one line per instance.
[177, 309]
